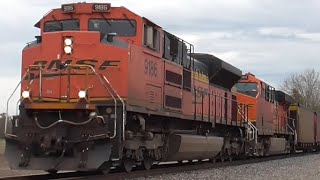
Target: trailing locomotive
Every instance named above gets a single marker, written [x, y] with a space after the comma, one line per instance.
[102, 86]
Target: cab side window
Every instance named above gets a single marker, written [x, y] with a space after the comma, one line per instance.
[270, 93]
[151, 38]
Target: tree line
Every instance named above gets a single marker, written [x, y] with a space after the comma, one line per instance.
[304, 87]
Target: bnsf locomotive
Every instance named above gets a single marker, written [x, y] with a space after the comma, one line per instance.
[102, 86]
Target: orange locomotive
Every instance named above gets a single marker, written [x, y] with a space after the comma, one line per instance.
[269, 112]
[102, 86]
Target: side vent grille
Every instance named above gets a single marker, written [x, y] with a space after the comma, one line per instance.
[173, 77]
[174, 102]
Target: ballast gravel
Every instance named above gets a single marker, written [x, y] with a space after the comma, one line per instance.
[304, 168]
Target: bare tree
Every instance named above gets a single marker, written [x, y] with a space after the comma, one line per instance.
[304, 87]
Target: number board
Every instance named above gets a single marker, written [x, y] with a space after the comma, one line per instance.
[68, 8]
[101, 7]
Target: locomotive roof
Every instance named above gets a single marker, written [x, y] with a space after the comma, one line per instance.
[211, 59]
[221, 73]
[284, 97]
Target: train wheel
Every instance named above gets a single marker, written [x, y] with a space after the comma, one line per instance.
[221, 157]
[106, 171]
[147, 162]
[105, 167]
[213, 160]
[128, 164]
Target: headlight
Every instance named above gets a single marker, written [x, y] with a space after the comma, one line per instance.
[68, 49]
[93, 114]
[68, 42]
[25, 94]
[82, 94]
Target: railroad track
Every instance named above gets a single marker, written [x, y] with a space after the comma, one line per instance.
[157, 170]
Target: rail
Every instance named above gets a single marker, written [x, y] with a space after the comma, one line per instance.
[103, 80]
[160, 169]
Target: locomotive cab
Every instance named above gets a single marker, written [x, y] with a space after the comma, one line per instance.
[90, 38]
[261, 97]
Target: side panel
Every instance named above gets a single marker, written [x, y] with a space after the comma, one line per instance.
[154, 97]
[200, 99]
[145, 80]
[318, 128]
[264, 117]
[187, 94]
[229, 107]
[187, 103]
[315, 127]
[216, 101]
[280, 119]
[223, 106]
[305, 127]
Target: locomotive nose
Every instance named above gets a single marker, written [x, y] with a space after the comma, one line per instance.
[70, 44]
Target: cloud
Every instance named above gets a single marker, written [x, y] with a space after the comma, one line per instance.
[291, 33]
[309, 36]
[278, 31]
[228, 55]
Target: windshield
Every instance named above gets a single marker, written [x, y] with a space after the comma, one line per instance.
[64, 25]
[122, 27]
[250, 89]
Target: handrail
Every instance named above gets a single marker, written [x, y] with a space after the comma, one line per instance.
[123, 108]
[104, 81]
[7, 110]
[252, 127]
[113, 97]
[295, 133]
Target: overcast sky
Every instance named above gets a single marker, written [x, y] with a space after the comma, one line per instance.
[269, 38]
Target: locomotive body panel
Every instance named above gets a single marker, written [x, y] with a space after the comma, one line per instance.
[200, 101]
[144, 79]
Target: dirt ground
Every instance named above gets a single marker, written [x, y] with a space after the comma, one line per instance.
[5, 171]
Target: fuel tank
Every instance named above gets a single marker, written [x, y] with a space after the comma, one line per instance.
[193, 147]
[277, 145]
